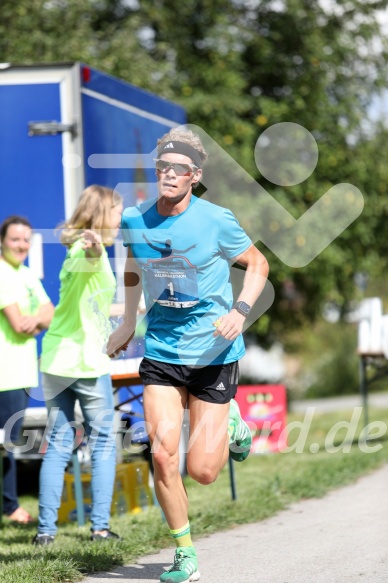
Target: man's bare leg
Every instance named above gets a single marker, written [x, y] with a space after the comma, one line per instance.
[209, 441]
[163, 409]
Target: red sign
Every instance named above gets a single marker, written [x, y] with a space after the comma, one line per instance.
[264, 408]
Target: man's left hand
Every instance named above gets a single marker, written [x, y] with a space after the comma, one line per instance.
[230, 325]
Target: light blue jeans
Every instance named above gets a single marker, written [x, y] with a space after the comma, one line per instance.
[96, 400]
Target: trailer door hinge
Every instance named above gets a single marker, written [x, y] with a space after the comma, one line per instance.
[51, 128]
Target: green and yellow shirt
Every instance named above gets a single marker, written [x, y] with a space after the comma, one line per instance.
[73, 345]
[18, 352]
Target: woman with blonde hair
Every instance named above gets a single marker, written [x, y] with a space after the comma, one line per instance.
[73, 363]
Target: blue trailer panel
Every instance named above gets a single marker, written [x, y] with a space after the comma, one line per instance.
[31, 173]
[53, 118]
[129, 121]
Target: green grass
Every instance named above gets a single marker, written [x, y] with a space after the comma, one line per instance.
[265, 485]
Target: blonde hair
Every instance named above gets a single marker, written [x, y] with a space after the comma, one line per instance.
[92, 212]
[180, 134]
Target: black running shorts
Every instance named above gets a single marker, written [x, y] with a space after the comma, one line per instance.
[214, 383]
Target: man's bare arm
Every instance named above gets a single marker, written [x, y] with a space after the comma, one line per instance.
[122, 336]
[256, 274]
[231, 325]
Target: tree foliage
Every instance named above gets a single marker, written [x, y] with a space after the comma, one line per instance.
[238, 67]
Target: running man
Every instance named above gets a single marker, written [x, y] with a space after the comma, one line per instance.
[193, 339]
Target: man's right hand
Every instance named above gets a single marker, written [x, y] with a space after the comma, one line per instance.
[119, 340]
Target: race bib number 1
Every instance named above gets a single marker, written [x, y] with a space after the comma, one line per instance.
[172, 283]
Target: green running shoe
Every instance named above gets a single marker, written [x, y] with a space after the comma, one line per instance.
[185, 567]
[241, 437]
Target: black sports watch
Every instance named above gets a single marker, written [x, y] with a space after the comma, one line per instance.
[242, 307]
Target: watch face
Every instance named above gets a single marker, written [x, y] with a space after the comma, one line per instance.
[243, 307]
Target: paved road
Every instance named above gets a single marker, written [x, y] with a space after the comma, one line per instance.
[341, 538]
[375, 400]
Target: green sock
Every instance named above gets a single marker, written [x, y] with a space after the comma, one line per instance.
[182, 536]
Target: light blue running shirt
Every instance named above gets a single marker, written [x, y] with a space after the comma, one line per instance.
[185, 262]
